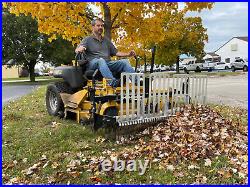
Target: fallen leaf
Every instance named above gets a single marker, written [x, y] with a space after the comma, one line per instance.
[43, 158]
[15, 180]
[170, 167]
[46, 164]
[208, 162]
[75, 174]
[179, 174]
[193, 167]
[95, 179]
[51, 180]
[54, 165]
[242, 175]
[156, 138]
[100, 139]
[25, 160]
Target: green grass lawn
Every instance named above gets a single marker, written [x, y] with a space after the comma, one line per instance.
[31, 136]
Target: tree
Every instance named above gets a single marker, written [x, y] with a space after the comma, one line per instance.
[130, 25]
[59, 52]
[184, 35]
[23, 43]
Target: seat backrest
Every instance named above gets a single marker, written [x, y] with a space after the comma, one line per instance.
[88, 74]
[81, 58]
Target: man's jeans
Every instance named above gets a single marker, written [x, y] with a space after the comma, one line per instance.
[111, 68]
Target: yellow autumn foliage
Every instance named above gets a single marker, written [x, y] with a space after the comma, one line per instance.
[131, 25]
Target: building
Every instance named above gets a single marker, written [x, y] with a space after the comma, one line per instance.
[10, 72]
[235, 47]
[212, 57]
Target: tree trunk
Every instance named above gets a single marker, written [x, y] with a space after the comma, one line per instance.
[145, 63]
[32, 70]
[178, 65]
[107, 21]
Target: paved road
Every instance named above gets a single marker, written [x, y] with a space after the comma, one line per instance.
[229, 90]
[25, 80]
[11, 92]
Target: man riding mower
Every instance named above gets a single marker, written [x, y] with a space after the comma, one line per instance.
[122, 99]
[141, 99]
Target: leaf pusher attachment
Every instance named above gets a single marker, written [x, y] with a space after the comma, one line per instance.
[162, 97]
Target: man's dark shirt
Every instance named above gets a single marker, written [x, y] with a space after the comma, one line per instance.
[98, 49]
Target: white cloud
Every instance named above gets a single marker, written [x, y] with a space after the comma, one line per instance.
[224, 21]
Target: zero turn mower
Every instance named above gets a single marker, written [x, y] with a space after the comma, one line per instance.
[141, 100]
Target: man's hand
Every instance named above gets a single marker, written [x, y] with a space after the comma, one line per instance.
[132, 53]
[80, 49]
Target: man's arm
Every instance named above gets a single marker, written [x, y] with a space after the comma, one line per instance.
[129, 54]
[115, 52]
[82, 46]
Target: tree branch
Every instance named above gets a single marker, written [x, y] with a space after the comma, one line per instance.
[103, 3]
[116, 15]
[90, 17]
[116, 26]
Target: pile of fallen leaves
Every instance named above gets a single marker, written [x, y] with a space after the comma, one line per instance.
[193, 135]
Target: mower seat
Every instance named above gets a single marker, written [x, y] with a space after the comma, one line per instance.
[88, 74]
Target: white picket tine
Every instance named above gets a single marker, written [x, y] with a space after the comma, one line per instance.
[135, 101]
[143, 97]
[138, 96]
[205, 91]
[149, 96]
[193, 93]
[133, 96]
[121, 103]
[167, 96]
[127, 97]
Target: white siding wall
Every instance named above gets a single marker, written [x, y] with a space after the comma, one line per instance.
[227, 52]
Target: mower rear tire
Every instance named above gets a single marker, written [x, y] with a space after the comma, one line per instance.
[54, 103]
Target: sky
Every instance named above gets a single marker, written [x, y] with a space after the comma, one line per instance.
[223, 22]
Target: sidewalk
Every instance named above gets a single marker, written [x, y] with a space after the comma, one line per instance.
[25, 80]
